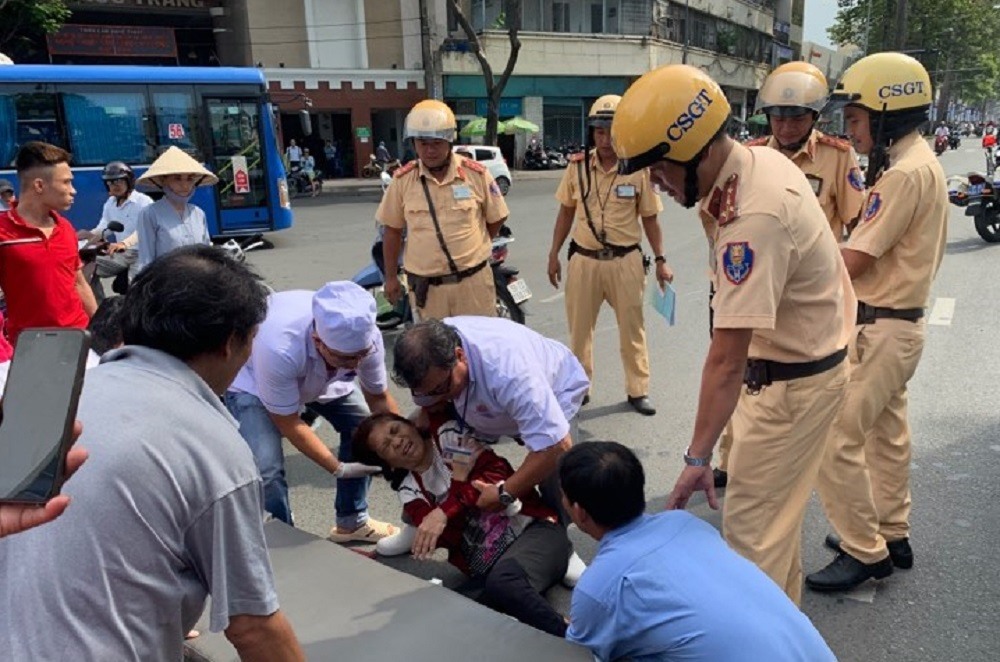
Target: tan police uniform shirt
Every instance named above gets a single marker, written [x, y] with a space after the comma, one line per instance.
[904, 226]
[833, 173]
[466, 200]
[778, 267]
[616, 203]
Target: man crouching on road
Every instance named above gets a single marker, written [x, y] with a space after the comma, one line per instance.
[168, 510]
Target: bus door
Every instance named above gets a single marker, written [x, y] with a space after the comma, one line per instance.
[237, 159]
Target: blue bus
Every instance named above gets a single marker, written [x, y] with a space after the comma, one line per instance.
[221, 116]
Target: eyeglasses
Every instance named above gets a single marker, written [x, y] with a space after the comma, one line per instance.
[345, 358]
[441, 389]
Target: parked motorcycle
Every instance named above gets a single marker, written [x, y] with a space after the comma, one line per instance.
[980, 198]
[375, 168]
[511, 290]
[535, 160]
[940, 144]
[556, 159]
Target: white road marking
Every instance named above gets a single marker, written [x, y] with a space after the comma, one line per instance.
[554, 297]
[942, 312]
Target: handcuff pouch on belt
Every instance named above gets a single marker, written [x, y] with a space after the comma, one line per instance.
[419, 285]
[755, 376]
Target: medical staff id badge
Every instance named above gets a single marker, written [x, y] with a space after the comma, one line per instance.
[625, 190]
[461, 192]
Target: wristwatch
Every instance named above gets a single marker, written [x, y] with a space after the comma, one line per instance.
[506, 498]
[696, 461]
[660, 259]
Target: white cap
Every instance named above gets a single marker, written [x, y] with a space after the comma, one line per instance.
[345, 317]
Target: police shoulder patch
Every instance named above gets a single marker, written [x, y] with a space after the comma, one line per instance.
[737, 261]
[832, 141]
[856, 179]
[402, 170]
[758, 142]
[873, 207]
[474, 166]
[728, 209]
[576, 157]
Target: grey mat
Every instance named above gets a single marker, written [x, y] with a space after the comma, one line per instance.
[347, 607]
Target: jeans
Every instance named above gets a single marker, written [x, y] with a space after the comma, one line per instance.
[264, 439]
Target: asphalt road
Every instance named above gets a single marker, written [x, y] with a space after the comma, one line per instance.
[943, 609]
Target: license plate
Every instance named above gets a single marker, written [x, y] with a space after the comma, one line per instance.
[519, 290]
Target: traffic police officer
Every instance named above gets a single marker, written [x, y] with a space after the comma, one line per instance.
[605, 253]
[782, 296]
[892, 256]
[792, 97]
[450, 208]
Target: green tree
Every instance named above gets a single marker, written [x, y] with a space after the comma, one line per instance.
[23, 21]
[953, 39]
[511, 16]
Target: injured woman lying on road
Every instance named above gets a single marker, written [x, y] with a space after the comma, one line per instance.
[512, 557]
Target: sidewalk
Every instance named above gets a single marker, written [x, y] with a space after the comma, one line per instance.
[357, 186]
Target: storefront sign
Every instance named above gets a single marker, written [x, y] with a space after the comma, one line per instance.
[113, 41]
[176, 131]
[241, 175]
[363, 132]
[508, 107]
[139, 4]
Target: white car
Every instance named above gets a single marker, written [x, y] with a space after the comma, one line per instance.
[492, 158]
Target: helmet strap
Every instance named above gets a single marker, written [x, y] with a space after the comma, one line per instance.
[879, 158]
[798, 144]
[691, 180]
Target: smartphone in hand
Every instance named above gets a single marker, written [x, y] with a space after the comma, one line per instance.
[38, 412]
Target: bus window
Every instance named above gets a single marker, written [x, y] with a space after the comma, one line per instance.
[107, 125]
[237, 157]
[177, 120]
[25, 117]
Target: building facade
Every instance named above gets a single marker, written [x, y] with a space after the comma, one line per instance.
[573, 51]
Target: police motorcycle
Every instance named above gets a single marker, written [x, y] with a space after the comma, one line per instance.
[979, 195]
[512, 291]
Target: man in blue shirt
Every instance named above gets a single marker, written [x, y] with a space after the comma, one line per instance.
[666, 586]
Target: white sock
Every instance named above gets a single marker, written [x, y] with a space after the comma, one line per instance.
[398, 543]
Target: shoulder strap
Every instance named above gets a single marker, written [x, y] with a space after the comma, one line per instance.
[437, 226]
[586, 208]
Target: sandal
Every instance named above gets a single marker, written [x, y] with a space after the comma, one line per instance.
[371, 532]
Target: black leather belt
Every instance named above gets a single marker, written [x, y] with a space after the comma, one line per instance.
[609, 252]
[868, 314]
[761, 372]
[451, 278]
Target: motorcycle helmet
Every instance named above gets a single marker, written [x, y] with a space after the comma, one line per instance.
[118, 170]
[672, 113]
[895, 89]
[602, 112]
[431, 119]
[793, 90]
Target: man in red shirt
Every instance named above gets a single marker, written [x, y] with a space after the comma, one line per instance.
[39, 260]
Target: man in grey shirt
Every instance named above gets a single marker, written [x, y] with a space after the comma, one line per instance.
[167, 509]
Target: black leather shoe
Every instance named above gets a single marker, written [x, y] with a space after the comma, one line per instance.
[720, 478]
[846, 572]
[586, 400]
[642, 405]
[901, 553]
[899, 550]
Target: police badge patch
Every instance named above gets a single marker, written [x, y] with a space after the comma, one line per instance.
[855, 179]
[737, 261]
[873, 207]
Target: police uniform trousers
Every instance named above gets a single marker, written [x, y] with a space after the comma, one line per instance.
[864, 483]
[475, 295]
[783, 432]
[621, 282]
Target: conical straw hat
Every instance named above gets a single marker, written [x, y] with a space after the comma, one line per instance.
[175, 161]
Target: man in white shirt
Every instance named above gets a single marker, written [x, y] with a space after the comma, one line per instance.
[123, 205]
[309, 351]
